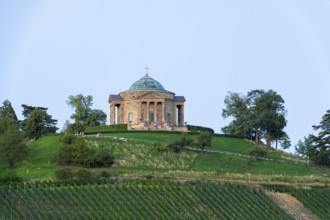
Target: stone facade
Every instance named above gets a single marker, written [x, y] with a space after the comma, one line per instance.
[147, 105]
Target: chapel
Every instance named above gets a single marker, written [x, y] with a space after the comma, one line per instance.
[146, 105]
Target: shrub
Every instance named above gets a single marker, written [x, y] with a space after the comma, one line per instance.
[63, 174]
[84, 173]
[258, 152]
[67, 138]
[198, 129]
[159, 147]
[78, 154]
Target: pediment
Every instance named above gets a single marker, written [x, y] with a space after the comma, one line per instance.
[151, 95]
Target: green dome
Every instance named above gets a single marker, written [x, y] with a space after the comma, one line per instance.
[147, 83]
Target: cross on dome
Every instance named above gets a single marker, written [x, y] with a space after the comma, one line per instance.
[147, 70]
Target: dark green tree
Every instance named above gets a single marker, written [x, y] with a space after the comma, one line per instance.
[258, 115]
[49, 124]
[303, 148]
[12, 145]
[84, 115]
[180, 143]
[320, 149]
[35, 124]
[204, 139]
[7, 111]
[285, 141]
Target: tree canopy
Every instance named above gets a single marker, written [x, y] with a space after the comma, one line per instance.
[319, 151]
[37, 122]
[7, 111]
[257, 115]
[84, 115]
[12, 146]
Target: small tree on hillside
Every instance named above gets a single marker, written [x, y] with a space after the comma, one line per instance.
[204, 139]
[178, 144]
[12, 145]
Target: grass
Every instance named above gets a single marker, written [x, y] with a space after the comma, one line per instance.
[139, 155]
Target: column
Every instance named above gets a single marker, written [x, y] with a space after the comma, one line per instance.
[163, 113]
[112, 114]
[174, 115]
[155, 112]
[140, 112]
[182, 115]
[148, 112]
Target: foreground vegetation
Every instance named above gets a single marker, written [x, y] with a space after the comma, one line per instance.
[137, 200]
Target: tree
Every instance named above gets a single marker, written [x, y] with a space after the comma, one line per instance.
[84, 115]
[183, 141]
[35, 124]
[285, 141]
[258, 115]
[204, 139]
[46, 120]
[303, 147]
[7, 111]
[12, 146]
[320, 148]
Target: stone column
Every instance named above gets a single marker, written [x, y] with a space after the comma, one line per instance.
[155, 112]
[148, 112]
[182, 115]
[174, 115]
[140, 112]
[163, 112]
[112, 114]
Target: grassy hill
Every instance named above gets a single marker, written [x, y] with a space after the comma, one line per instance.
[223, 184]
[139, 157]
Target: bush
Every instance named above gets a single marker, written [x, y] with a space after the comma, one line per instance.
[10, 177]
[67, 138]
[78, 154]
[159, 147]
[63, 174]
[198, 129]
[258, 152]
[84, 173]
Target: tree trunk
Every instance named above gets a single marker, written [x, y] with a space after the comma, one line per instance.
[276, 144]
[257, 136]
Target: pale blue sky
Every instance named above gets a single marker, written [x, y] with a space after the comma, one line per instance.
[200, 49]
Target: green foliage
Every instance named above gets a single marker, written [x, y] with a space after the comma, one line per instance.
[37, 122]
[10, 177]
[12, 144]
[84, 173]
[7, 111]
[106, 128]
[63, 174]
[198, 129]
[303, 147]
[178, 144]
[159, 147]
[84, 115]
[77, 153]
[258, 115]
[204, 139]
[258, 152]
[319, 151]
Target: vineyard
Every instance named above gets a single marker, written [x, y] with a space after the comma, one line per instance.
[137, 199]
[316, 200]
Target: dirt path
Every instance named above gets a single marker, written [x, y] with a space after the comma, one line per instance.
[292, 206]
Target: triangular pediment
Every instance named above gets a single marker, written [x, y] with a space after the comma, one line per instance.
[151, 95]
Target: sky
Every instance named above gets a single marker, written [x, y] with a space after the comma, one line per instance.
[52, 49]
